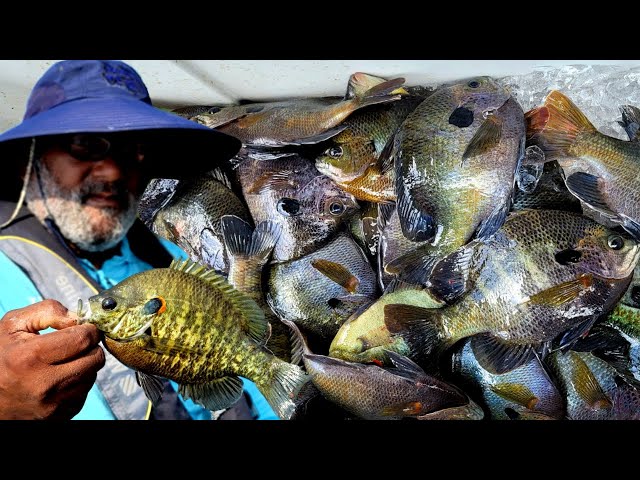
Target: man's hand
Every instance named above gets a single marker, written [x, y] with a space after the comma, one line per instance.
[46, 376]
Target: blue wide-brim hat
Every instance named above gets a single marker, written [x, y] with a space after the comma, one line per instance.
[108, 96]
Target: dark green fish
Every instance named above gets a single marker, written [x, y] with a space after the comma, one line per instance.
[374, 393]
[455, 159]
[322, 289]
[524, 393]
[600, 170]
[187, 324]
[291, 192]
[297, 121]
[545, 276]
[188, 214]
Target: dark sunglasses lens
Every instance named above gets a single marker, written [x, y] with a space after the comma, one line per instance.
[89, 147]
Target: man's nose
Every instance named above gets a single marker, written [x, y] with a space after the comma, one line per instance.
[109, 168]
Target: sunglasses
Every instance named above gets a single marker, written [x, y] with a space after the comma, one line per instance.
[92, 148]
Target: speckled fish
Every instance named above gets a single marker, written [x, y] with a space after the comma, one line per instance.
[364, 337]
[322, 289]
[249, 250]
[593, 389]
[374, 393]
[188, 214]
[352, 158]
[187, 324]
[455, 159]
[296, 121]
[550, 193]
[545, 276]
[291, 192]
[600, 170]
[524, 393]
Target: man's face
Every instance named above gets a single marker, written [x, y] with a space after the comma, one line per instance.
[91, 185]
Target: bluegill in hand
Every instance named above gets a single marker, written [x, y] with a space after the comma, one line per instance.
[545, 276]
[456, 157]
[187, 324]
[291, 192]
[374, 393]
[188, 212]
[600, 170]
[524, 393]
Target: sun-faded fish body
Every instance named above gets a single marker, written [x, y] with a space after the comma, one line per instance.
[524, 393]
[189, 325]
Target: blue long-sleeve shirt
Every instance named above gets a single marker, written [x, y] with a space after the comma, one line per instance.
[18, 291]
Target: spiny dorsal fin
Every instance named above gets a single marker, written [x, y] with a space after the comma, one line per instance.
[253, 322]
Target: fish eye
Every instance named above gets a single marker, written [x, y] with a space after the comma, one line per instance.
[109, 303]
[155, 305]
[336, 208]
[474, 84]
[213, 110]
[335, 152]
[615, 242]
[288, 207]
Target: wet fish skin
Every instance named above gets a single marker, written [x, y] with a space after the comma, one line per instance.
[374, 393]
[301, 291]
[549, 194]
[455, 158]
[290, 191]
[188, 214]
[600, 170]
[525, 393]
[543, 277]
[187, 324]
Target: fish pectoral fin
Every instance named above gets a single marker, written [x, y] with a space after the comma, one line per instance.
[450, 277]
[517, 393]
[418, 328]
[337, 273]
[152, 385]
[563, 293]
[588, 188]
[498, 356]
[313, 139]
[404, 409]
[586, 384]
[216, 394]
[486, 137]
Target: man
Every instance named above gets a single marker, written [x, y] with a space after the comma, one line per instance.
[88, 144]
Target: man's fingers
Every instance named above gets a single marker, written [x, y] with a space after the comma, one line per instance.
[65, 345]
[39, 316]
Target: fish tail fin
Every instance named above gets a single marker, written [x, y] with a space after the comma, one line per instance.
[241, 239]
[384, 92]
[557, 124]
[286, 381]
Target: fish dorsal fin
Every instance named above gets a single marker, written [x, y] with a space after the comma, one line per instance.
[253, 322]
[219, 175]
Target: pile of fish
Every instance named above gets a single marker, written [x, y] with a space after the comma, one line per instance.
[399, 252]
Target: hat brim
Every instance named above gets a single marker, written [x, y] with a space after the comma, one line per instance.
[180, 148]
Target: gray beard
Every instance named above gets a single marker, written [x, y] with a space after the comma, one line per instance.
[90, 228]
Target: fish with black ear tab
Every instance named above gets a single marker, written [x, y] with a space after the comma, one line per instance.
[600, 170]
[374, 393]
[455, 157]
[187, 324]
[544, 277]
